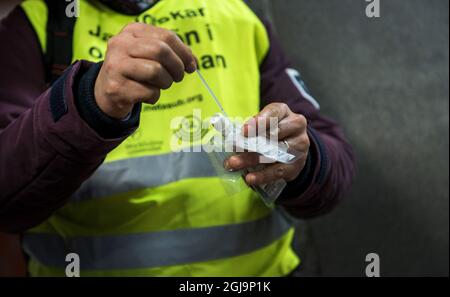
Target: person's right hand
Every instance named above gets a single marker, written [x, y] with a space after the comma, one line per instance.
[140, 61]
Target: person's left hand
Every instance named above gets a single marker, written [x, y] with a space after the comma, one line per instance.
[291, 129]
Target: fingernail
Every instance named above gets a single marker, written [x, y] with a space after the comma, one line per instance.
[226, 165]
[191, 67]
[279, 172]
[250, 179]
[196, 62]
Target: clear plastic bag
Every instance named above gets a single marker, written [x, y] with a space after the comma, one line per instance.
[230, 140]
[231, 180]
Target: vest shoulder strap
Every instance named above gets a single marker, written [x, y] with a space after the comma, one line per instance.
[58, 54]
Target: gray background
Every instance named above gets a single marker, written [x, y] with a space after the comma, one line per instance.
[386, 81]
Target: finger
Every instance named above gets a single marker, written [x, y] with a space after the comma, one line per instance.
[267, 118]
[272, 173]
[148, 72]
[293, 125]
[154, 49]
[300, 143]
[242, 161]
[170, 38]
[182, 50]
[140, 92]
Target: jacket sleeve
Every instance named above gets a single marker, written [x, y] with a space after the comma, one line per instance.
[329, 168]
[46, 149]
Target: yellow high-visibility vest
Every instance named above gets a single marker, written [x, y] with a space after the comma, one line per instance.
[151, 211]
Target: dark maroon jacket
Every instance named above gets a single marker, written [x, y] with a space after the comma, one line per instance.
[52, 140]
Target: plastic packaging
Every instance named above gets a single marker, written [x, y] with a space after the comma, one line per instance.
[274, 151]
[232, 141]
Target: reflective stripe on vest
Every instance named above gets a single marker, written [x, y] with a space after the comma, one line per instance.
[145, 205]
[150, 249]
[129, 174]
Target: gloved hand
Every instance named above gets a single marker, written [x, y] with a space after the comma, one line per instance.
[291, 129]
[140, 61]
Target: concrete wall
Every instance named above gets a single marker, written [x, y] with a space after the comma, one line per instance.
[386, 81]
